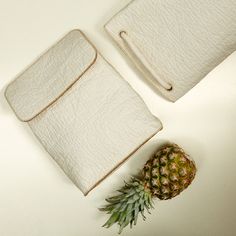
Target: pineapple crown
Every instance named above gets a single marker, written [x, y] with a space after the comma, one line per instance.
[125, 207]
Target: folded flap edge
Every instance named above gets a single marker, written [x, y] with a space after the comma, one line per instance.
[51, 75]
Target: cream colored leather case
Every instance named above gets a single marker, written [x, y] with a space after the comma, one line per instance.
[175, 43]
[86, 116]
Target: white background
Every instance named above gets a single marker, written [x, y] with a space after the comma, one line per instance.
[37, 199]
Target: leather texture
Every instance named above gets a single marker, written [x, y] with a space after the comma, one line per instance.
[181, 41]
[93, 126]
[44, 81]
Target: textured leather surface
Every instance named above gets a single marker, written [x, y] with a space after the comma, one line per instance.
[47, 78]
[182, 40]
[96, 124]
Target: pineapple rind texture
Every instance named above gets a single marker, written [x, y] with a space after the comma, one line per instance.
[168, 172]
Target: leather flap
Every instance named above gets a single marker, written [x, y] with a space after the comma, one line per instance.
[51, 75]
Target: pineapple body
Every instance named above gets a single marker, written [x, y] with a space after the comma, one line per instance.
[168, 172]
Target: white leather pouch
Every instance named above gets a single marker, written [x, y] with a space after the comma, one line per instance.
[175, 43]
[86, 116]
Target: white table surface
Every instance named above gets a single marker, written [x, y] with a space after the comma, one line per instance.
[37, 199]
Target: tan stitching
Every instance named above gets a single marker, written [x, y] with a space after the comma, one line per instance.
[68, 88]
[71, 85]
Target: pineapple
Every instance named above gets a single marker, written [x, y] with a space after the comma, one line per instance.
[164, 176]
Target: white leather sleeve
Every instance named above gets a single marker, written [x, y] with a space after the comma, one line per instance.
[178, 42]
[89, 123]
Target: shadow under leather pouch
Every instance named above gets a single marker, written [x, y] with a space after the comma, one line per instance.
[85, 115]
[175, 43]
